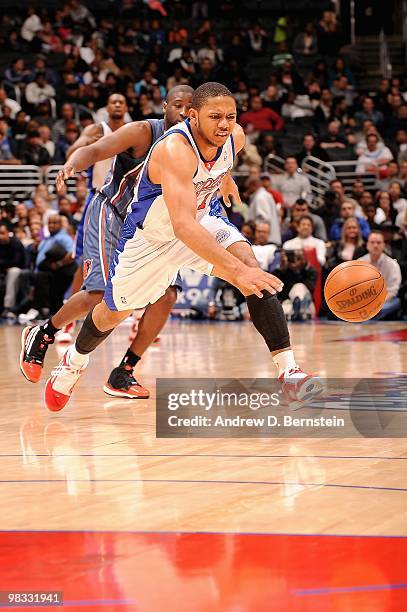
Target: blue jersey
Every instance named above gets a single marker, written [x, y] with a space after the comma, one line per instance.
[119, 185]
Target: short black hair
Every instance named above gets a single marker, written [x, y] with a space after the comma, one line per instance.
[179, 89]
[209, 90]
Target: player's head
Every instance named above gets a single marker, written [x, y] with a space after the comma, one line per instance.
[213, 113]
[116, 106]
[177, 104]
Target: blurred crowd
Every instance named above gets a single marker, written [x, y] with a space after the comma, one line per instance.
[296, 85]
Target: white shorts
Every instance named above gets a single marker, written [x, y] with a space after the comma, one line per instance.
[142, 271]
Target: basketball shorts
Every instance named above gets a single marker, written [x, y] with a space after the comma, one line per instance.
[142, 271]
[102, 228]
[78, 250]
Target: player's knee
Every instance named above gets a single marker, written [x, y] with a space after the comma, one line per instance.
[169, 298]
[93, 298]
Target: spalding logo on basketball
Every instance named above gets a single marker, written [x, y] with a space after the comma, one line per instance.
[355, 291]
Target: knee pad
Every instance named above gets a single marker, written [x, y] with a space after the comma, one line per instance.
[269, 320]
[90, 336]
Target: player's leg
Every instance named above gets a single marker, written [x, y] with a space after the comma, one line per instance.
[140, 274]
[266, 312]
[121, 382]
[35, 341]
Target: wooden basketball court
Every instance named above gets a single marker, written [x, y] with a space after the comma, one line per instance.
[94, 505]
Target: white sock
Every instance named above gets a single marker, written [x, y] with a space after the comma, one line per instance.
[284, 360]
[77, 360]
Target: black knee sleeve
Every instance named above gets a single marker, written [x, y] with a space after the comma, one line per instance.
[269, 320]
[90, 336]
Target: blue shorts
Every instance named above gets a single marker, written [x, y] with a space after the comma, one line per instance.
[102, 227]
[80, 232]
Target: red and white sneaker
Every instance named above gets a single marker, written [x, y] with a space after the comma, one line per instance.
[65, 335]
[122, 383]
[59, 386]
[299, 387]
[34, 345]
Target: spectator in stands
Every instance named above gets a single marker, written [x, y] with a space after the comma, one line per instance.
[297, 106]
[46, 142]
[370, 213]
[299, 281]
[267, 184]
[65, 142]
[263, 207]
[348, 210]
[259, 118]
[358, 189]
[80, 14]
[32, 151]
[264, 252]
[55, 267]
[293, 184]
[257, 38]
[399, 201]
[311, 149]
[7, 155]
[305, 46]
[350, 246]
[12, 260]
[388, 268]
[400, 145]
[332, 139]
[369, 112]
[267, 145]
[6, 101]
[385, 210]
[31, 25]
[39, 90]
[289, 228]
[387, 175]
[375, 156]
[67, 118]
[305, 239]
[324, 109]
[247, 230]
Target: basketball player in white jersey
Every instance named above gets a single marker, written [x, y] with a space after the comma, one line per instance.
[166, 230]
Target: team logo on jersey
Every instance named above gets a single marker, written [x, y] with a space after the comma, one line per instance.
[222, 235]
[87, 267]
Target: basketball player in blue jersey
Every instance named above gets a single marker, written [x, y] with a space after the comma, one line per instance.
[127, 147]
[97, 172]
[168, 229]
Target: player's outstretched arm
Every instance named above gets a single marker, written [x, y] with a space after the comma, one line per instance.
[175, 163]
[136, 136]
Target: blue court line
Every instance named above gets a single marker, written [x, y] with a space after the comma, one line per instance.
[212, 456]
[227, 482]
[233, 533]
[349, 589]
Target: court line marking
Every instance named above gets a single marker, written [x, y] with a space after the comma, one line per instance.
[187, 481]
[209, 456]
[177, 532]
[348, 589]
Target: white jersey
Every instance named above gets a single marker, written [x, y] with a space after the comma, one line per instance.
[101, 169]
[149, 212]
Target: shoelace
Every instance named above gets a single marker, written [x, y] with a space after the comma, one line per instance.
[294, 370]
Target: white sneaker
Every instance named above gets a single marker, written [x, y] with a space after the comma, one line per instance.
[31, 315]
[64, 336]
[299, 387]
[61, 383]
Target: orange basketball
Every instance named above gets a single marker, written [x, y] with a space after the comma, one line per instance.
[355, 291]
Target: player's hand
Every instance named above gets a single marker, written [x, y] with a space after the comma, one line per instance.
[229, 189]
[254, 280]
[64, 174]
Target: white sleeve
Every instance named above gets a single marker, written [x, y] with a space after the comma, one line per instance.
[321, 252]
[393, 281]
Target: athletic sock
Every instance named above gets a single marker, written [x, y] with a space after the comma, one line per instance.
[75, 359]
[284, 360]
[49, 329]
[130, 359]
